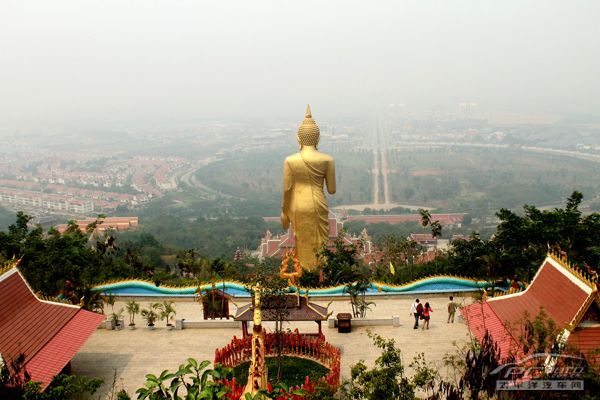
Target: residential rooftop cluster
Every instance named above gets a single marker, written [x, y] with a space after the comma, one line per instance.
[110, 223]
[45, 184]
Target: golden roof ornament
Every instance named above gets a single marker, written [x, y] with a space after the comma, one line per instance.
[308, 132]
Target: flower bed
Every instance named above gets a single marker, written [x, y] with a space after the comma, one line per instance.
[313, 347]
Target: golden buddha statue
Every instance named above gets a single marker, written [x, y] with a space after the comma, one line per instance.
[304, 204]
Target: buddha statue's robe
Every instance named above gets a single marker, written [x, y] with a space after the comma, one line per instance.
[304, 204]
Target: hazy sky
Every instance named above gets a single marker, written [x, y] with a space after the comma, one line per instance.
[77, 61]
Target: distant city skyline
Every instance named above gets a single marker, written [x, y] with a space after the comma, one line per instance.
[109, 62]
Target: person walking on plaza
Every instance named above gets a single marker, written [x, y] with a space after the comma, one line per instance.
[427, 310]
[416, 310]
[452, 306]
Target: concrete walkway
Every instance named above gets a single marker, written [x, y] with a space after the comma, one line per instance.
[130, 355]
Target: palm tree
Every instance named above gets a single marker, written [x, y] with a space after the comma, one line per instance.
[357, 292]
[425, 217]
[132, 308]
[110, 300]
[436, 227]
[167, 311]
[151, 314]
[115, 318]
[91, 300]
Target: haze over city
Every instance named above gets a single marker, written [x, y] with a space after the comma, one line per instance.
[104, 63]
[332, 200]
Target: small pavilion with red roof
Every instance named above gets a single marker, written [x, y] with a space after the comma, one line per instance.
[568, 296]
[47, 333]
[287, 307]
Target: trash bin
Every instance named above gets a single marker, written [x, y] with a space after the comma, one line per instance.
[344, 324]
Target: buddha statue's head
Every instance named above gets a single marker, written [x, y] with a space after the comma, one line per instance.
[308, 132]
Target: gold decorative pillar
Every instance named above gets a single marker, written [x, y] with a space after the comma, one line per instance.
[257, 373]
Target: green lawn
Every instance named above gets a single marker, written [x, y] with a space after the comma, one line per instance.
[294, 370]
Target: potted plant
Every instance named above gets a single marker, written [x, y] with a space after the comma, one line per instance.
[115, 319]
[110, 300]
[133, 309]
[168, 312]
[151, 314]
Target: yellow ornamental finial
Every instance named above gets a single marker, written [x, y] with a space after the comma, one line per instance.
[308, 112]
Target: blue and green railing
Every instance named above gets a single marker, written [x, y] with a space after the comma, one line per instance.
[433, 284]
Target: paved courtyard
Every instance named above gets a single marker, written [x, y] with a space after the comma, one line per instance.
[130, 355]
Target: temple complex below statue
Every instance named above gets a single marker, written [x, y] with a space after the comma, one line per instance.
[277, 246]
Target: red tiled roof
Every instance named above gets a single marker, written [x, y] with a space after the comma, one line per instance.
[552, 289]
[53, 357]
[422, 237]
[481, 318]
[40, 330]
[26, 323]
[555, 288]
[587, 340]
[272, 247]
[118, 223]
